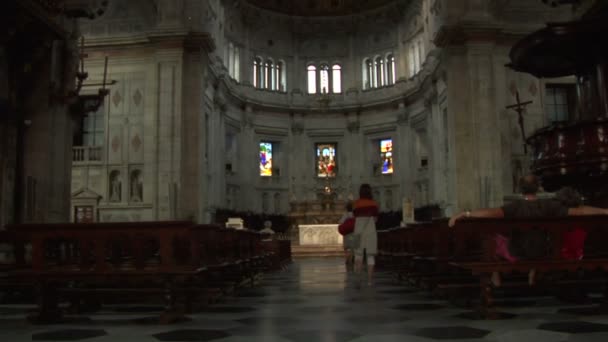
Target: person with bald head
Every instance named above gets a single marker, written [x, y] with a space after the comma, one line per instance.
[530, 206]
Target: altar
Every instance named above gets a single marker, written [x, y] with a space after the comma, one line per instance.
[314, 222]
[319, 234]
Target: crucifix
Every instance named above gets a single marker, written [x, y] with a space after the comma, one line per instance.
[520, 107]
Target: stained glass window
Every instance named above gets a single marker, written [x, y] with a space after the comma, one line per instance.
[326, 160]
[386, 156]
[265, 159]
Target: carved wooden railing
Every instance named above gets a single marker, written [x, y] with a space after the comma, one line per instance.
[128, 247]
[167, 260]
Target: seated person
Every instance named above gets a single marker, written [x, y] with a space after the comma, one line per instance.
[529, 206]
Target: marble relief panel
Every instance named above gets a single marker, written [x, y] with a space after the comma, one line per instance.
[136, 143]
[116, 143]
[117, 95]
[135, 83]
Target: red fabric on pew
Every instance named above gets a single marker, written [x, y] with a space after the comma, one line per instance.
[502, 248]
[574, 244]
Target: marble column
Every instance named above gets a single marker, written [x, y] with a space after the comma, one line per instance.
[193, 133]
[217, 162]
[356, 150]
[297, 157]
[405, 155]
[249, 154]
[475, 123]
[169, 130]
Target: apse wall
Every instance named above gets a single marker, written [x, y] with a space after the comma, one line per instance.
[356, 119]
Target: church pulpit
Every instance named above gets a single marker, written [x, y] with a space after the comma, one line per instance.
[572, 152]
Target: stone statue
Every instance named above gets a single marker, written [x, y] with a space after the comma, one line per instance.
[115, 187]
[267, 231]
[136, 186]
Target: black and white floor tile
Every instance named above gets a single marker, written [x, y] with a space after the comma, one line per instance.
[315, 299]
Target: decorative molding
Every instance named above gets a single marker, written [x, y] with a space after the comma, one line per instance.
[189, 40]
[325, 133]
[460, 34]
[379, 129]
[232, 122]
[270, 131]
[417, 121]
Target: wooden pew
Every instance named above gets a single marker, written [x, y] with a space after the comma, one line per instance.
[419, 253]
[481, 233]
[178, 263]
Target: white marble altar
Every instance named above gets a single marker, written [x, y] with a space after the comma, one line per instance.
[319, 234]
[235, 222]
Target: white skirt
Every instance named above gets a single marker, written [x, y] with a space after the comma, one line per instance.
[365, 228]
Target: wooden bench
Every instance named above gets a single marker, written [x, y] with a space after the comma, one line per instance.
[419, 253]
[460, 260]
[485, 230]
[179, 264]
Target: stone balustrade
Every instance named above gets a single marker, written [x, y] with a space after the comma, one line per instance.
[84, 154]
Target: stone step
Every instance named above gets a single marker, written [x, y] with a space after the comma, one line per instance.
[317, 250]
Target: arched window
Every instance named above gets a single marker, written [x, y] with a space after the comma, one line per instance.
[233, 62]
[379, 71]
[277, 76]
[390, 69]
[228, 57]
[324, 78]
[312, 79]
[374, 82]
[420, 54]
[236, 65]
[268, 74]
[258, 74]
[336, 79]
[411, 61]
[416, 58]
[366, 72]
[281, 78]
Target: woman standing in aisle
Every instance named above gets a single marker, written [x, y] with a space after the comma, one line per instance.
[365, 239]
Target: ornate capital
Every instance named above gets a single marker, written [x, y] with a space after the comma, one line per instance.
[403, 118]
[297, 128]
[353, 126]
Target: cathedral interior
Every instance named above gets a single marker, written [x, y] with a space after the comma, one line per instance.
[178, 115]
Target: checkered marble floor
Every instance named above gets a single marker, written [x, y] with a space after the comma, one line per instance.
[317, 300]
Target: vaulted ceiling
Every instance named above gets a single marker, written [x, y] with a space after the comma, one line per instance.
[320, 7]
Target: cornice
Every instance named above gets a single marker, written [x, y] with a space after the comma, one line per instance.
[190, 40]
[476, 32]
